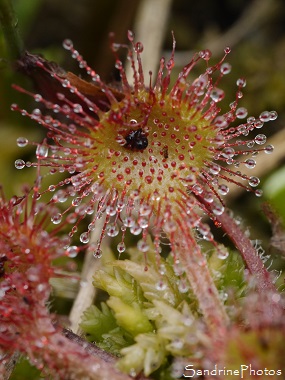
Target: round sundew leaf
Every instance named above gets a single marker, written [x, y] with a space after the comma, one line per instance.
[164, 146]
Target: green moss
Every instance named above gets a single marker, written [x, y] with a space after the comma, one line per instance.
[146, 319]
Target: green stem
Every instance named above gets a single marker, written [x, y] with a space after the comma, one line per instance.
[9, 23]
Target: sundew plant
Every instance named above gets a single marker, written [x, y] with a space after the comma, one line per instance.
[147, 169]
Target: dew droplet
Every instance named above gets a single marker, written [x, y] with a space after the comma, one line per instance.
[269, 149]
[118, 64]
[145, 210]
[177, 268]
[260, 139]
[208, 196]
[221, 122]
[183, 288]
[241, 82]
[72, 251]
[20, 164]
[77, 108]
[22, 141]
[189, 180]
[253, 181]
[76, 201]
[97, 254]
[273, 115]
[56, 219]
[143, 222]
[120, 205]
[91, 226]
[228, 152]
[258, 124]
[135, 230]
[197, 189]
[258, 193]
[110, 210]
[223, 296]
[218, 209]
[205, 54]
[264, 116]
[61, 196]
[250, 144]
[204, 229]
[67, 44]
[115, 46]
[121, 247]
[84, 237]
[132, 372]
[222, 252]
[223, 189]
[89, 210]
[65, 83]
[131, 35]
[250, 163]
[214, 169]
[161, 285]
[225, 68]
[138, 47]
[42, 151]
[142, 246]
[170, 226]
[112, 230]
[36, 114]
[241, 113]
[217, 95]
[128, 221]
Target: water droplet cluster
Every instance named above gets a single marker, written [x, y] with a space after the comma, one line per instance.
[145, 156]
[29, 251]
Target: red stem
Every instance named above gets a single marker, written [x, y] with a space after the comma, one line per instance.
[248, 252]
[243, 244]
